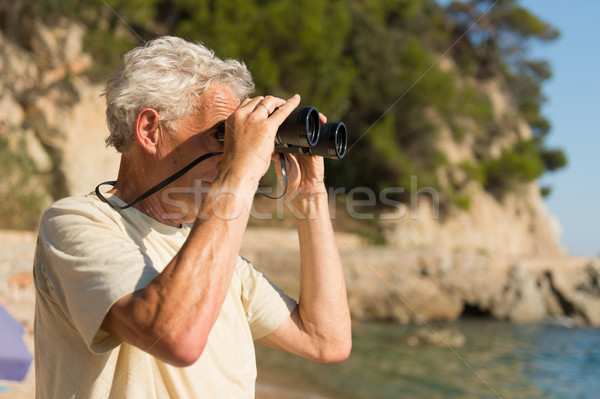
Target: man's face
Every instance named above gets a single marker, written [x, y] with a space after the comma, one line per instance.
[195, 136]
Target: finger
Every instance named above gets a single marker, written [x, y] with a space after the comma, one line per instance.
[262, 106]
[323, 118]
[271, 103]
[245, 101]
[250, 105]
[276, 161]
[285, 109]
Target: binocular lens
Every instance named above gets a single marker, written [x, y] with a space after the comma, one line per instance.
[340, 146]
[301, 128]
[313, 127]
[333, 141]
[341, 141]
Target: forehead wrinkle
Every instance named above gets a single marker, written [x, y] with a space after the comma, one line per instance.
[217, 103]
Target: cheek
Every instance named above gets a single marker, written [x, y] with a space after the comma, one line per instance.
[193, 149]
[207, 168]
[213, 145]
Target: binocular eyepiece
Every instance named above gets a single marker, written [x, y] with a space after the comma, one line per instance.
[302, 133]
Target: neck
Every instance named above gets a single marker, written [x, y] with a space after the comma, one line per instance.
[170, 207]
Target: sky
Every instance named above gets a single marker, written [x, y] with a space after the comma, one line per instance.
[573, 109]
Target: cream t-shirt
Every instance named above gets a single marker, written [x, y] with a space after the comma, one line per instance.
[88, 256]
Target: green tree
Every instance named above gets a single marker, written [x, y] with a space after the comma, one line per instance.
[496, 36]
[521, 163]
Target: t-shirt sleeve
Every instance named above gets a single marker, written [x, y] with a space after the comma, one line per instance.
[89, 263]
[265, 304]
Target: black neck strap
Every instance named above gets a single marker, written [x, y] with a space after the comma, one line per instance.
[176, 176]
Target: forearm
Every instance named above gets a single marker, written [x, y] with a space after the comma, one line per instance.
[323, 306]
[197, 279]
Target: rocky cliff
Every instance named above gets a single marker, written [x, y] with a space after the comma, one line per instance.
[514, 224]
[500, 258]
[46, 100]
[421, 285]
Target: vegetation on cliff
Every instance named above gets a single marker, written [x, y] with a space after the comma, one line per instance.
[375, 65]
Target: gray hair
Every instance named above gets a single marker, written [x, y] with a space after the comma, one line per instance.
[166, 74]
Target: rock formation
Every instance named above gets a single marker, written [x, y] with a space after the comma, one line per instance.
[422, 285]
[46, 98]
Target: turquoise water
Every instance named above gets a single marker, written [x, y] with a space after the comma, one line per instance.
[497, 360]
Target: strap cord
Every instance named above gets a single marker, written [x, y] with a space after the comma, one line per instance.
[176, 176]
[285, 180]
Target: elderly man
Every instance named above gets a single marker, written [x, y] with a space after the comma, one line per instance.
[153, 300]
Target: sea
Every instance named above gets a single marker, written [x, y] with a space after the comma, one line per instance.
[483, 359]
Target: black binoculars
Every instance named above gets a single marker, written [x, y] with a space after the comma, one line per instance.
[302, 133]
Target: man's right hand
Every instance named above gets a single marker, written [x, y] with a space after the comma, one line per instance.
[250, 134]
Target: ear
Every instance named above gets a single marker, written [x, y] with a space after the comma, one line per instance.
[148, 129]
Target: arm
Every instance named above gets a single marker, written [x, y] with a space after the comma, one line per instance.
[172, 316]
[320, 326]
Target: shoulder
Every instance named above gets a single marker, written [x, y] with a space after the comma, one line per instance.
[81, 203]
[80, 207]
[244, 268]
[252, 279]
[68, 217]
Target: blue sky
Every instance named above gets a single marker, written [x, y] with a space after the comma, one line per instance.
[573, 108]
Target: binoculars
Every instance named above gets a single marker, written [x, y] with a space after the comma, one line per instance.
[303, 133]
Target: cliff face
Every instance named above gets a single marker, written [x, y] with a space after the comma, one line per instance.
[515, 224]
[500, 257]
[46, 100]
[421, 285]
[519, 225]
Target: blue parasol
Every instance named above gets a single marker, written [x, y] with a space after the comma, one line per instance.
[15, 359]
